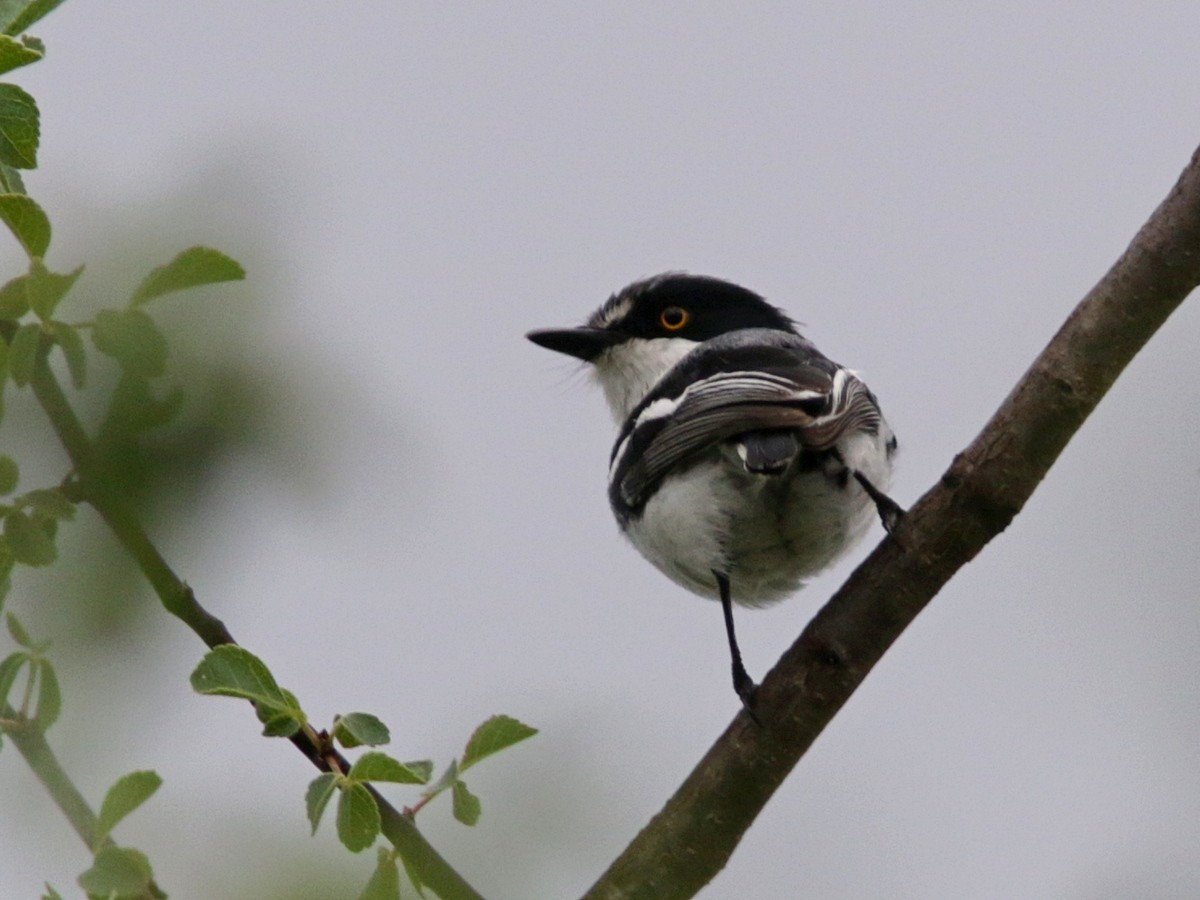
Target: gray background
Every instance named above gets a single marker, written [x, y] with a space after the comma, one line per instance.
[412, 187]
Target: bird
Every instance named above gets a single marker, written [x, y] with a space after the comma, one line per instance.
[746, 461]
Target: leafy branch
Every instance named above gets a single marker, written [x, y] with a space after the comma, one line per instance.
[32, 338]
[115, 870]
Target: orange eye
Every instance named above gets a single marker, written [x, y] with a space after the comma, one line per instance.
[673, 318]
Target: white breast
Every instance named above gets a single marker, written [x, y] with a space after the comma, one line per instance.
[768, 533]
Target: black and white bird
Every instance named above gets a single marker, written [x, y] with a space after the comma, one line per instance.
[747, 461]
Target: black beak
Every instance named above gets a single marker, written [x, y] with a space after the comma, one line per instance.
[584, 343]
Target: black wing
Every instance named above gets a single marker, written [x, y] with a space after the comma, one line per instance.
[754, 389]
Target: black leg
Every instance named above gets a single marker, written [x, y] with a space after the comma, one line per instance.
[742, 682]
[890, 512]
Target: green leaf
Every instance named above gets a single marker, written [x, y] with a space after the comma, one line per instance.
[232, 671]
[118, 871]
[51, 893]
[385, 880]
[281, 721]
[466, 805]
[132, 339]
[357, 819]
[14, 299]
[17, 631]
[494, 735]
[26, 220]
[49, 503]
[10, 180]
[449, 777]
[22, 353]
[6, 566]
[134, 407]
[9, 475]
[191, 268]
[376, 766]
[280, 724]
[14, 54]
[414, 876]
[19, 128]
[18, 15]
[4, 356]
[355, 729]
[10, 668]
[46, 288]
[49, 703]
[72, 347]
[127, 794]
[28, 540]
[423, 768]
[316, 798]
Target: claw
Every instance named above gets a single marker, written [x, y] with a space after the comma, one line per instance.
[746, 690]
[890, 512]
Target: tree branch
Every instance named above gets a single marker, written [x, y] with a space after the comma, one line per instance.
[690, 840]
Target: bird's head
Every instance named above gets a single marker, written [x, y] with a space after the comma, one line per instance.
[641, 332]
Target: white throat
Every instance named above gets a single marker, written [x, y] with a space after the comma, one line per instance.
[628, 371]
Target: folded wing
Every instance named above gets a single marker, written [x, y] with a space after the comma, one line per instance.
[815, 400]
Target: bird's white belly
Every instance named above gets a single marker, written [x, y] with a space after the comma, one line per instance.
[768, 533]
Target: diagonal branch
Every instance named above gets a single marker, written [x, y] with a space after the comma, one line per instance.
[690, 840]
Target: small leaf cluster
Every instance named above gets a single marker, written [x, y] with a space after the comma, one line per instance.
[116, 872]
[358, 820]
[494, 735]
[120, 872]
[30, 521]
[20, 124]
[40, 700]
[233, 671]
[127, 335]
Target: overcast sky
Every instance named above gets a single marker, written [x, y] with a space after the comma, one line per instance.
[412, 188]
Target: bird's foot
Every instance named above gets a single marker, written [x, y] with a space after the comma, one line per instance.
[890, 512]
[746, 690]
